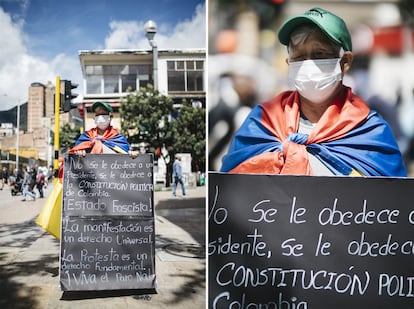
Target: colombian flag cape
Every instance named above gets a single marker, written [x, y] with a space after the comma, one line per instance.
[349, 139]
[111, 138]
[50, 215]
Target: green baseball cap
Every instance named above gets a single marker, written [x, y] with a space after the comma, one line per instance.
[333, 26]
[102, 104]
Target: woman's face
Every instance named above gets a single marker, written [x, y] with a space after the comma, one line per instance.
[312, 46]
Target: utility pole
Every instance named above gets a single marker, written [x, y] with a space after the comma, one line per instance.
[18, 135]
[57, 127]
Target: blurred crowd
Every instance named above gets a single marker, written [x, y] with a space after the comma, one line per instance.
[28, 181]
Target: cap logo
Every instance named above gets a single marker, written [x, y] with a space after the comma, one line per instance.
[316, 13]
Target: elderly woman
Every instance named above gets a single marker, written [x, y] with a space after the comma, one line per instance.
[103, 138]
[321, 127]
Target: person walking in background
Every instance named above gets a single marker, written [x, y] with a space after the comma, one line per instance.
[28, 184]
[49, 178]
[40, 182]
[5, 177]
[321, 127]
[18, 176]
[178, 176]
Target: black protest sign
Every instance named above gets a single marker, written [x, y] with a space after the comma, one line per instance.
[107, 235]
[310, 242]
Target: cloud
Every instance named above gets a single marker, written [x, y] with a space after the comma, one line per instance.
[125, 34]
[18, 69]
[10, 39]
[12, 52]
[186, 34]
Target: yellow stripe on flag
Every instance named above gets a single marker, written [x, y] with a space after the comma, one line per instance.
[119, 150]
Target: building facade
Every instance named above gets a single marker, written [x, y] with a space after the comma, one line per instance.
[108, 75]
[37, 118]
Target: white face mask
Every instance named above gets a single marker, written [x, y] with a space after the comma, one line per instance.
[315, 80]
[102, 121]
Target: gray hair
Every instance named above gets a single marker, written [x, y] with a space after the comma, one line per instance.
[301, 33]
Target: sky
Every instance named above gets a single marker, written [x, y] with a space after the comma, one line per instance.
[40, 39]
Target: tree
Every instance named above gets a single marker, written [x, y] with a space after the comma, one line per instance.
[189, 130]
[68, 137]
[151, 119]
[146, 116]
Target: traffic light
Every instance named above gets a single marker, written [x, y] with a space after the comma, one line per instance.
[67, 87]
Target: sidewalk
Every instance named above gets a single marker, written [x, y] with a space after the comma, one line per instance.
[29, 261]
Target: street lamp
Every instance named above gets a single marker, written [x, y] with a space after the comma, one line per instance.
[150, 29]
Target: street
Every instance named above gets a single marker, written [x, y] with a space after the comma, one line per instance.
[29, 258]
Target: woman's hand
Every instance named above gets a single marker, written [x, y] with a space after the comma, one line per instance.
[133, 153]
[80, 153]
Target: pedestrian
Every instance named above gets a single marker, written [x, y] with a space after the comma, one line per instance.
[28, 184]
[178, 176]
[321, 127]
[18, 175]
[103, 138]
[49, 178]
[40, 182]
[5, 177]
